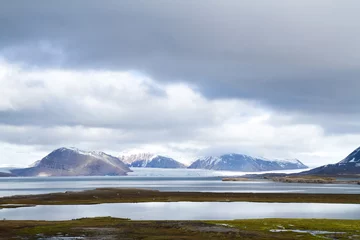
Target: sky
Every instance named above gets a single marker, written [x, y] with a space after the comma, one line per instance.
[271, 78]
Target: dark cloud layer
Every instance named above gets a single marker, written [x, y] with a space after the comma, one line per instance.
[295, 56]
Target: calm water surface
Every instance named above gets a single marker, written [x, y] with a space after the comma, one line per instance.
[187, 211]
[23, 186]
[163, 180]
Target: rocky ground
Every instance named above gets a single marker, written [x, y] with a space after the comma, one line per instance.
[111, 228]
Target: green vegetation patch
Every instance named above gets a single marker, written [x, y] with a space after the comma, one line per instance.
[116, 195]
[114, 228]
[311, 179]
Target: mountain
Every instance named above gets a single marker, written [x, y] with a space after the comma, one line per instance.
[6, 174]
[245, 163]
[34, 164]
[75, 162]
[6, 171]
[348, 166]
[147, 160]
[129, 159]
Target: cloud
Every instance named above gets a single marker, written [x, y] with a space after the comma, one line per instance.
[299, 57]
[277, 78]
[115, 111]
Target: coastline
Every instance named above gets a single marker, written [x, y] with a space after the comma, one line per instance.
[123, 195]
[115, 228]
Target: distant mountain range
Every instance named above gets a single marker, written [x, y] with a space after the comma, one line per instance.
[75, 162]
[348, 166]
[245, 163]
[227, 162]
[147, 160]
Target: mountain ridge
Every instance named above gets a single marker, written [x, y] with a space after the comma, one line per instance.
[245, 163]
[75, 162]
[348, 166]
[148, 160]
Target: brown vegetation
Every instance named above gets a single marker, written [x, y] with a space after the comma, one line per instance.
[312, 179]
[116, 195]
[114, 228]
[235, 179]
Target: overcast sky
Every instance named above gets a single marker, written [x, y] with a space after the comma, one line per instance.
[272, 78]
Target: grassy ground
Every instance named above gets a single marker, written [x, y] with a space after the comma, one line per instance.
[114, 195]
[312, 179]
[112, 228]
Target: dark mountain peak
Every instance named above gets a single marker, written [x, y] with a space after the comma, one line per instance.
[348, 166]
[353, 157]
[75, 162]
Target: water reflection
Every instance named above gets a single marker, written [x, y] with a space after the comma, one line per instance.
[24, 186]
[187, 211]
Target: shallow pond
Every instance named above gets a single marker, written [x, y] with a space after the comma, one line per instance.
[38, 185]
[186, 211]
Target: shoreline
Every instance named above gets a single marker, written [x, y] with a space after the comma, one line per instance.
[126, 195]
[115, 228]
[290, 178]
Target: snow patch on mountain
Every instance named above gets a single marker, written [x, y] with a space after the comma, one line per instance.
[130, 158]
[148, 160]
[353, 157]
[242, 162]
[348, 166]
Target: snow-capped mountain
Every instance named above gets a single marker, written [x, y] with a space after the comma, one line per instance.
[353, 158]
[128, 159]
[147, 160]
[349, 165]
[75, 162]
[245, 163]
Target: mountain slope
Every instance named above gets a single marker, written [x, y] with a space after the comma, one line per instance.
[349, 165]
[75, 162]
[245, 163]
[34, 164]
[147, 160]
[6, 174]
